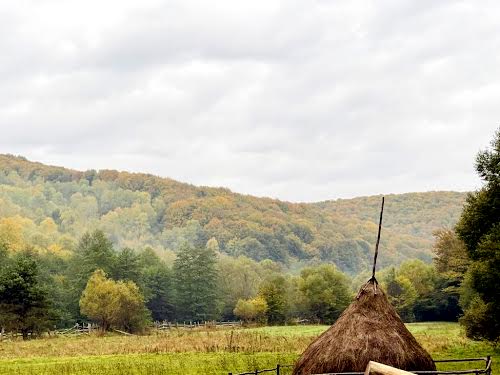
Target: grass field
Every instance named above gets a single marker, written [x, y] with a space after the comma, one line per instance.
[204, 352]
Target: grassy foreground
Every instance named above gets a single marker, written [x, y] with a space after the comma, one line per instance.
[204, 352]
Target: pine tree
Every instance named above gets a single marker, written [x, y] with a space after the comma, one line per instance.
[196, 276]
[94, 251]
[24, 306]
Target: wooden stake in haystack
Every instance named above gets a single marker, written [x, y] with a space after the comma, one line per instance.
[373, 279]
[368, 330]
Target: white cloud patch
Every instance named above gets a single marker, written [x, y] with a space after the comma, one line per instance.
[302, 101]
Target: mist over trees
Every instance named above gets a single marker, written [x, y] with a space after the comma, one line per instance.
[40, 291]
[123, 249]
[51, 208]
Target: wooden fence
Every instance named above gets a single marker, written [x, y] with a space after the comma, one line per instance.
[277, 370]
[486, 370]
[190, 325]
[88, 328]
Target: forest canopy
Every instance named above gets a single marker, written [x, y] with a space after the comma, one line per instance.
[50, 208]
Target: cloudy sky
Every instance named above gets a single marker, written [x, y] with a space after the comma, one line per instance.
[299, 100]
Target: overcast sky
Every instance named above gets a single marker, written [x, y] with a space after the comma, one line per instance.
[299, 100]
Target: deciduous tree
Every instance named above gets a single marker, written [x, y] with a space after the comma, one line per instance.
[326, 290]
[112, 303]
[479, 228]
[251, 309]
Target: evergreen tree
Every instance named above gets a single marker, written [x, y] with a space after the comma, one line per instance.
[94, 251]
[156, 281]
[24, 306]
[127, 266]
[196, 281]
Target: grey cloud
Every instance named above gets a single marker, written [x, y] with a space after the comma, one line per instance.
[295, 100]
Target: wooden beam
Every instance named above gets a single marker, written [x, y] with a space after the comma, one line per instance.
[375, 368]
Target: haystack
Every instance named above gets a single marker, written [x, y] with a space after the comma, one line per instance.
[368, 330]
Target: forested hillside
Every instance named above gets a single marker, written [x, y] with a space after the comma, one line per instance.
[50, 208]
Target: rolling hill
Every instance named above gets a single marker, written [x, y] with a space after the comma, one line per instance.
[50, 207]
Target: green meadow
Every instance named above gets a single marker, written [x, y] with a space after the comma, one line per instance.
[206, 351]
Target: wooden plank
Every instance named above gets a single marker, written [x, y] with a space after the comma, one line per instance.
[375, 368]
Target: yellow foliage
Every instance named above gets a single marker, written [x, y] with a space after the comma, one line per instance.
[11, 233]
[48, 226]
[251, 309]
[111, 303]
[58, 250]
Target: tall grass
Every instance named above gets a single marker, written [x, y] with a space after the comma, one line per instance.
[204, 351]
[175, 341]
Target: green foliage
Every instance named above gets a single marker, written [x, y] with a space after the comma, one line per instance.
[94, 251]
[50, 208]
[196, 281]
[251, 309]
[252, 243]
[477, 319]
[240, 280]
[24, 306]
[205, 352]
[112, 303]
[157, 283]
[126, 265]
[273, 291]
[451, 258]
[401, 293]
[327, 292]
[479, 228]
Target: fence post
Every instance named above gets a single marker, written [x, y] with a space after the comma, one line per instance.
[256, 372]
[278, 369]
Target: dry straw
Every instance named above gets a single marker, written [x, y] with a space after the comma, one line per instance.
[368, 330]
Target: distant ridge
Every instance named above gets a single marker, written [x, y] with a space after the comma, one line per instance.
[138, 210]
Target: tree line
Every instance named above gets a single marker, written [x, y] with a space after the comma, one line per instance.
[126, 289]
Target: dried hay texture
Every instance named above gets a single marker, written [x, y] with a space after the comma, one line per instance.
[368, 330]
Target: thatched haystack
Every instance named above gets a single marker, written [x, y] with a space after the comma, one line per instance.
[368, 330]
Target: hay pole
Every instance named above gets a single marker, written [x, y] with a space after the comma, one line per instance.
[376, 247]
[373, 281]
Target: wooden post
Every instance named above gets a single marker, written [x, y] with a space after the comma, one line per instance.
[375, 368]
[278, 369]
